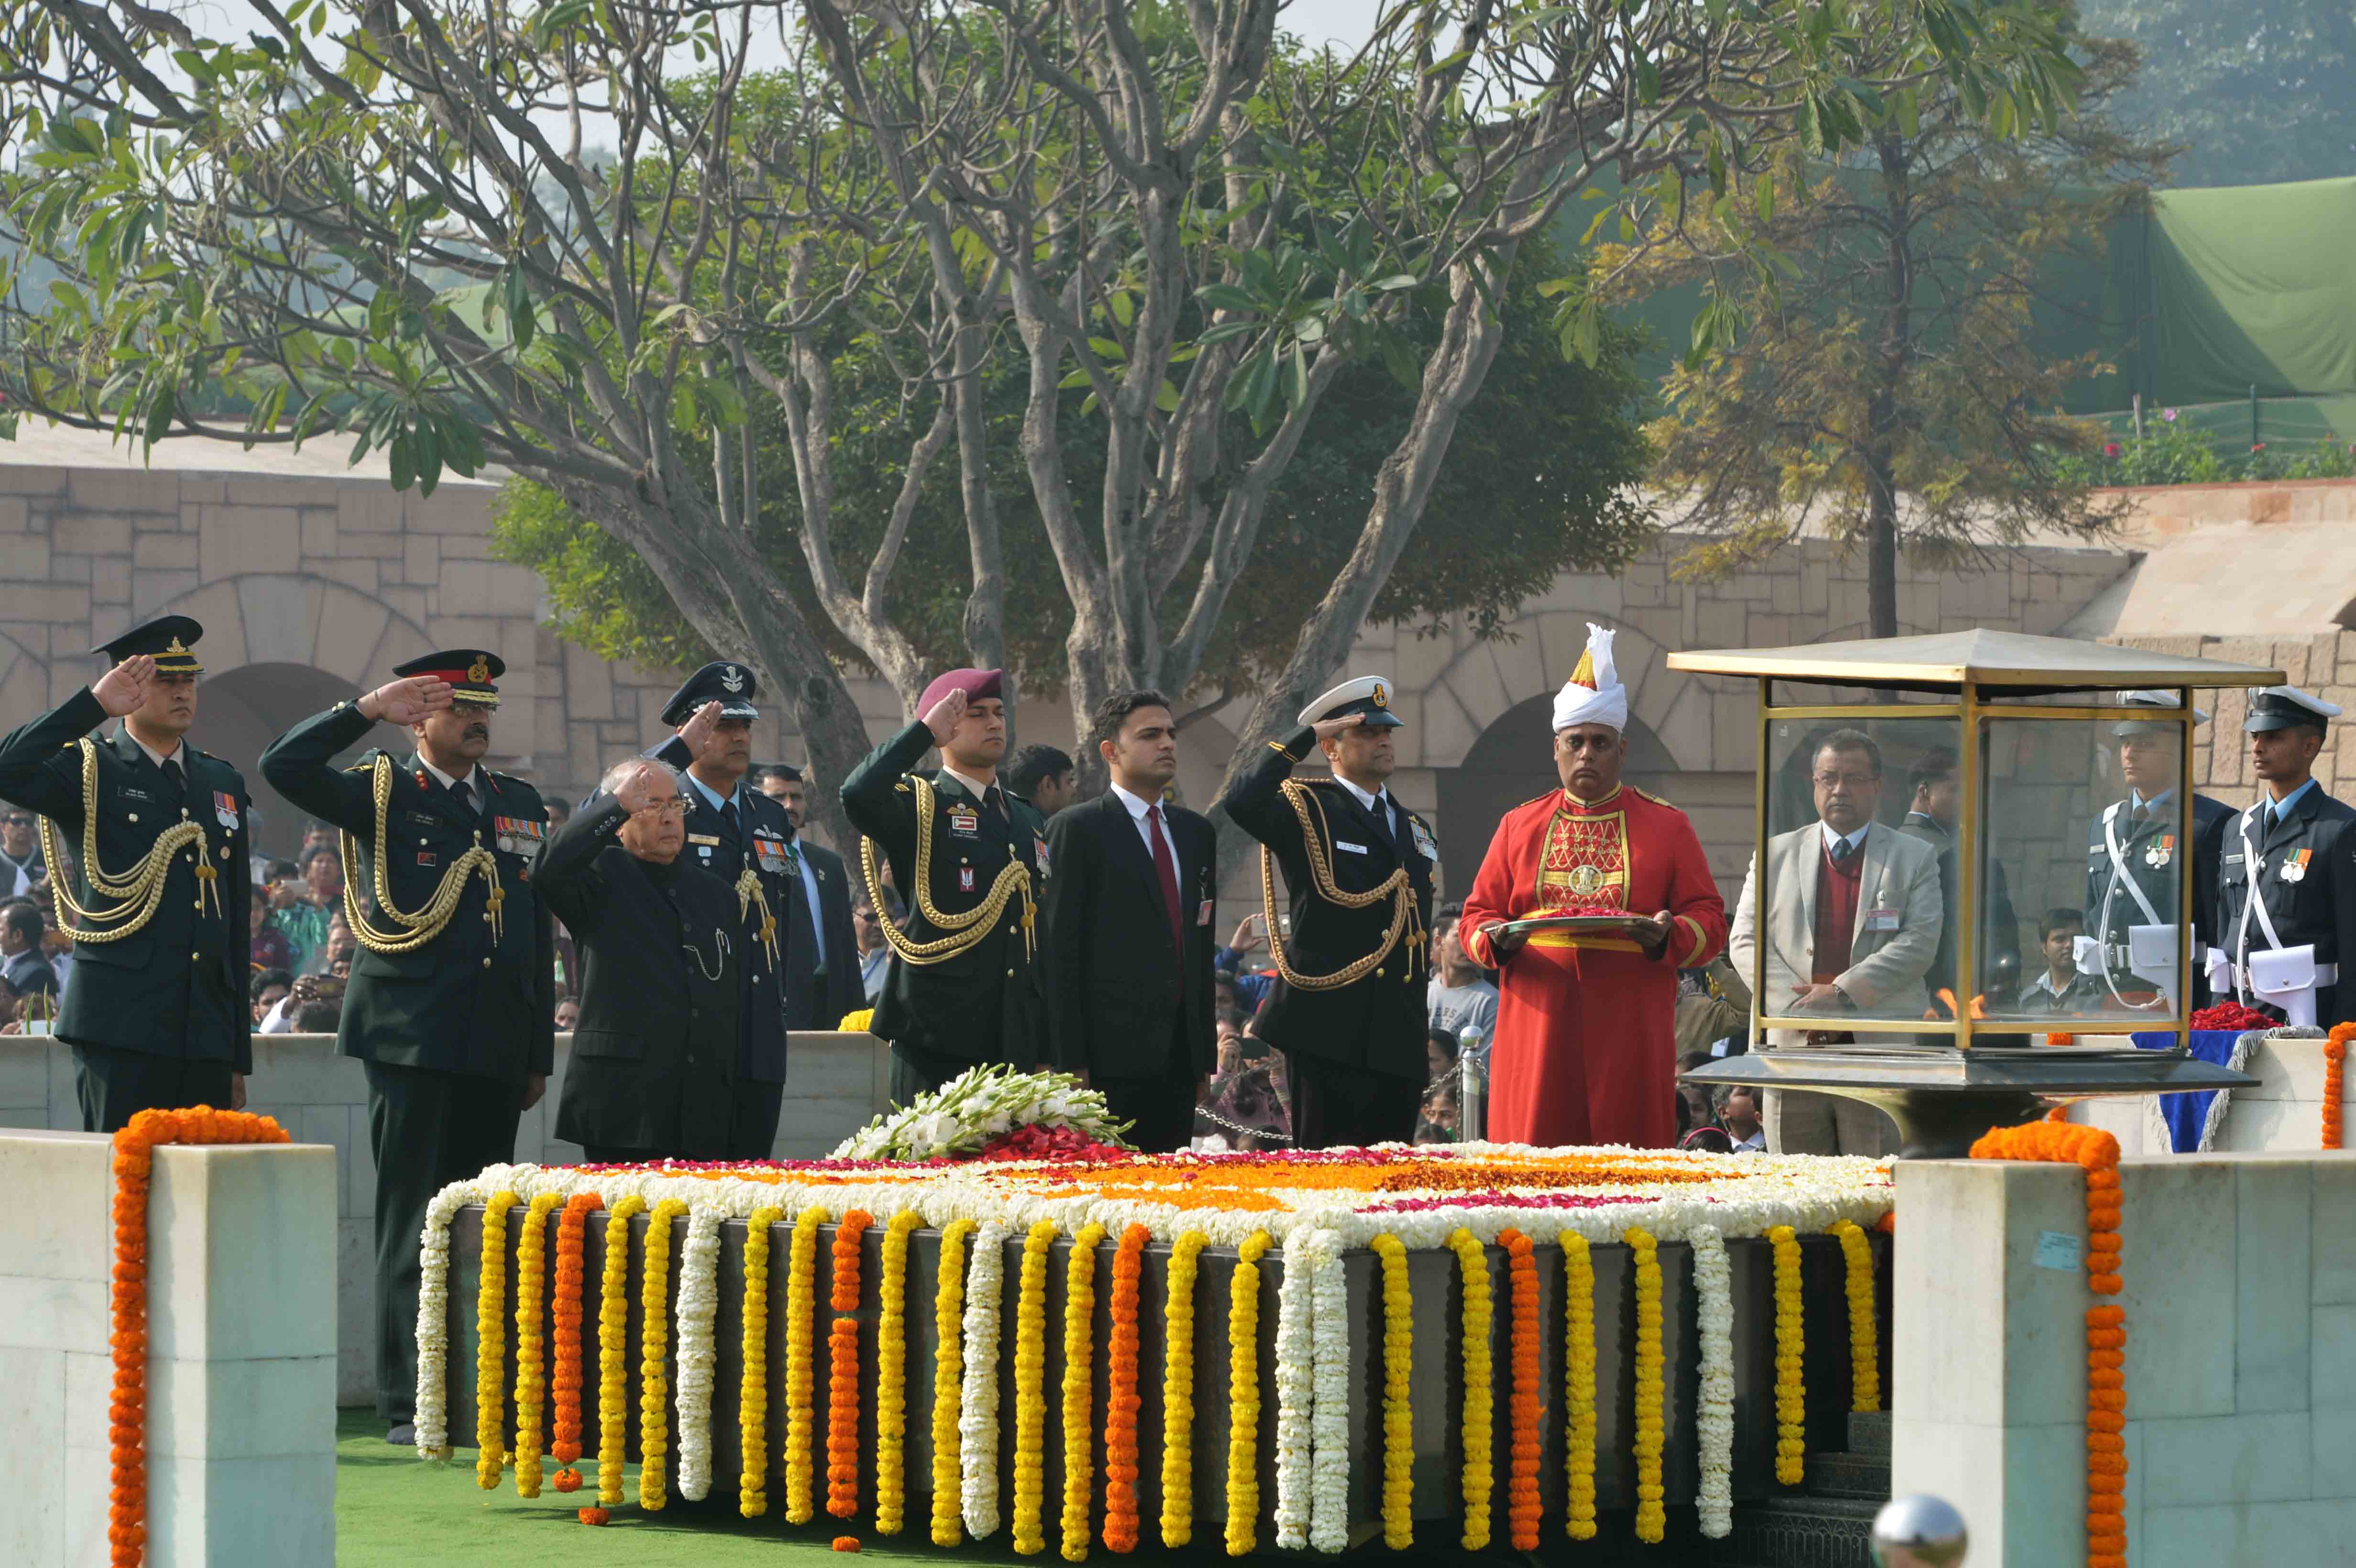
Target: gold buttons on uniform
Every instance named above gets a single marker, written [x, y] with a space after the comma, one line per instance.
[1009, 973]
[486, 962]
[196, 957]
[131, 816]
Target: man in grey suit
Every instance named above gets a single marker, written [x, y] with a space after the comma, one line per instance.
[1852, 925]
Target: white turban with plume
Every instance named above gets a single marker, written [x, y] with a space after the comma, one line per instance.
[1593, 695]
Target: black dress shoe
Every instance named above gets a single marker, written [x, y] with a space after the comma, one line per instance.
[403, 1435]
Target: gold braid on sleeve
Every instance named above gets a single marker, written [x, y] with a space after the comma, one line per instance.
[748, 894]
[139, 891]
[960, 931]
[428, 922]
[1407, 920]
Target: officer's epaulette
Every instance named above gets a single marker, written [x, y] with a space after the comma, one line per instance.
[1319, 781]
[903, 785]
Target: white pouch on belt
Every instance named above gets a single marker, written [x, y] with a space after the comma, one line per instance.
[2151, 954]
[2286, 978]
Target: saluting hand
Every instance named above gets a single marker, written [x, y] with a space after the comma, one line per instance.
[124, 688]
[1326, 729]
[406, 701]
[697, 729]
[943, 718]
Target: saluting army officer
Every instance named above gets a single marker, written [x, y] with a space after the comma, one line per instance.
[964, 986]
[155, 1008]
[2283, 875]
[451, 1001]
[741, 837]
[1347, 1005]
[2134, 853]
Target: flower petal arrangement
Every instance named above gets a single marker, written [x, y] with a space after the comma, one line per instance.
[964, 1115]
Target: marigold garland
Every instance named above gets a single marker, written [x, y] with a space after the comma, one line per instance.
[2097, 1154]
[564, 1309]
[490, 1348]
[1652, 1516]
[1399, 1409]
[614, 1352]
[654, 1341]
[1578, 1383]
[135, 1159]
[1243, 1395]
[842, 1370]
[1791, 1348]
[531, 1351]
[801, 1330]
[1031, 1388]
[2335, 1060]
[1478, 1418]
[892, 1376]
[1864, 1327]
[1122, 1403]
[1079, 1461]
[1178, 1392]
[948, 1374]
[1523, 1507]
[753, 1388]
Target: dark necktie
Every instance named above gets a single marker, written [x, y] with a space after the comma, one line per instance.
[990, 801]
[1383, 819]
[1842, 850]
[179, 779]
[728, 816]
[2267, 823]
[463, 795]
[1167, 870]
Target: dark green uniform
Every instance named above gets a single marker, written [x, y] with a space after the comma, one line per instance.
[449, 1030]
[158, 1017]
[982, 1002]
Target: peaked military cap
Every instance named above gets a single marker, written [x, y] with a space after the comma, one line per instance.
[168, 640]
[2166, 699]
[730, 685]
[2281, 707]
[1369, 695]
[471, 673]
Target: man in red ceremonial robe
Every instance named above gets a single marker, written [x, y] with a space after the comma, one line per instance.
[1586, 1048]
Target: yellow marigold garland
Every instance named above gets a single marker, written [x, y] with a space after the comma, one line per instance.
[1864, 1327]
[1652, 1517]
[753, 1391]
[1579, 1382]
[1178, 1393]
[532, 1361]
[614, 1352]
[1398, 1410]
[802, 1330]
[1479, 1417]
[1243, 1395]
[843, 1370]
[490, 1350]
[654, 1344]
[1031, 1388]
[1791, 1393]
[1080, 1456]
[892, 1376]
[948, 1380]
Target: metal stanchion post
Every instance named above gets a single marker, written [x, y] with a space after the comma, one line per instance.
[1472, 1087]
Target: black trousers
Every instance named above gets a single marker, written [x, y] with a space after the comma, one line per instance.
[916, 1073]
[427, 1129]
[1337, 1105]
[753, 1129]
[1161, 1109]
[115, 1085]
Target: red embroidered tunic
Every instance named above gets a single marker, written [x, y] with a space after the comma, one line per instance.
[1585, 1049]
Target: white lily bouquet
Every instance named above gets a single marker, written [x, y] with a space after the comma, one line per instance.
[977, 1106]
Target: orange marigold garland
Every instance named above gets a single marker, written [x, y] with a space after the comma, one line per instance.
[2097, 1154]
[843, 1370]
[135, 1153]
[1523, 1507]
[1122, 1403]
[2335, 1058]
[564, 1445]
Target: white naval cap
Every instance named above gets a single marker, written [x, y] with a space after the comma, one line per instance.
[2280, 707]
[2148, 699]
[1368, 695]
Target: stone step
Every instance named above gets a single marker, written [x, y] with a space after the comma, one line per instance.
[1869, 1434]
[1800, 1531]
[1865, 1475]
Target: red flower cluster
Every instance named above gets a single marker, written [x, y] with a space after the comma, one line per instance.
[2231, 1015]
[1048, 1143]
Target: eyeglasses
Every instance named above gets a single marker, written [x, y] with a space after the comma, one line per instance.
[1854, 781]
[661, 810]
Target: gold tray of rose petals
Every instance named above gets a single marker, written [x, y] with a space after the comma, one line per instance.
[1618, 923]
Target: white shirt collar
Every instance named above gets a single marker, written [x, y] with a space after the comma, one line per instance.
[974, 787]
[1138, 804]
[1856, 840]
[1364, 798]
[474, 776]
[2045, 983]
[177, 753]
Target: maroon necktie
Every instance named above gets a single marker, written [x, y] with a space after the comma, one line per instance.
[1167, 869]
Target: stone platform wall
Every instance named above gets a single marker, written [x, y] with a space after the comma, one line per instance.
[836, 1082]
[2281, 1113]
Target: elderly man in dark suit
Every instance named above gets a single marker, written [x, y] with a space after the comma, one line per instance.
[1129, 913]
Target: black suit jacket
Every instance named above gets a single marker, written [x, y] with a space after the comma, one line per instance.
[467, 1001]
[655, 1055]
[177, 986]
[1121, 995]
[824, 999]
[1377, 1021]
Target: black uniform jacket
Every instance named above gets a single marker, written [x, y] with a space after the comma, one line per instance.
[983, 1004]
[2111, 906]
[2317, 903]
[657, 1050]
[462, 1002]
[177, 986]
[1376, 1021]
[1121, 995]
[760, 842]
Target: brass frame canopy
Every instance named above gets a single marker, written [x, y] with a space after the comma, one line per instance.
[1978, 657]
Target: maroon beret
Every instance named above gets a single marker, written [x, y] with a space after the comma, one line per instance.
[977, 684]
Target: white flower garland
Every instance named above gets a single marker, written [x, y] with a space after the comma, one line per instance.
[699, 1304]
[1296, 1391]
[1329, 1487]
[985, 1285]
[433, 1417]
[1714, 1410]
